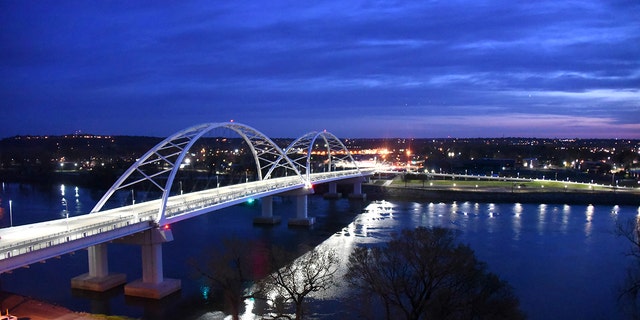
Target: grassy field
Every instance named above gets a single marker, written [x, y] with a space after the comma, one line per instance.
[520, 185]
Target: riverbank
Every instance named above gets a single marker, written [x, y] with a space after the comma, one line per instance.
[415, 192]
[27, 308]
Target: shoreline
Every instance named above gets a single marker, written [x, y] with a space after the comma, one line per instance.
[501, 195]
[24, 307]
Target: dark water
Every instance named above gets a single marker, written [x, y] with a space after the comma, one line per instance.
[564, 262]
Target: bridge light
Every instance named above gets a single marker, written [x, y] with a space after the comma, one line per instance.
[166, 227]
[250, 201]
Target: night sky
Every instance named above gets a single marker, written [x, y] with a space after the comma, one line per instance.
[416, 69]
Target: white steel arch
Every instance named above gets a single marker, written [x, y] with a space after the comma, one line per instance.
[301, 150]
[170, 153]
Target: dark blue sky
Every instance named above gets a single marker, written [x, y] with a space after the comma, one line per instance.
[355, 68]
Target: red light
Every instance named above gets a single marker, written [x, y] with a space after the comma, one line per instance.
[166, 227]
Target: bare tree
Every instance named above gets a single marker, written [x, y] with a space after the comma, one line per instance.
[292, 282]
[424, 274]
[232, 271]
[629, 293]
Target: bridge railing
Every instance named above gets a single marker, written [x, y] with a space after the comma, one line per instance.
[209, 198]
[72, 234]
[334, 174]
[206, 198]
[212, 197]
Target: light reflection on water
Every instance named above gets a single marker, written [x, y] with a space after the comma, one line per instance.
[562, 257]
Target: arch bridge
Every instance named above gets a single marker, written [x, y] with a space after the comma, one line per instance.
[174, 181]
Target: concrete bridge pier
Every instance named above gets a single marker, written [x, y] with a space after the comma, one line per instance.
[357, 191]
[153, 285]
[267, 216]
[333, 192]
[302, 219]
[98, 279]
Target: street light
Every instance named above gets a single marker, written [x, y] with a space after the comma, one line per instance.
[66, 212]
[10, 213]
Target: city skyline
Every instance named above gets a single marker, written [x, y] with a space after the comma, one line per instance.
[357, 69]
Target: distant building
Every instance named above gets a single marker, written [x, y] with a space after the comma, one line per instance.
[530, 163]
[595, 167]
[486, 165]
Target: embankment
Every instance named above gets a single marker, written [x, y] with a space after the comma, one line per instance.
[500, 195]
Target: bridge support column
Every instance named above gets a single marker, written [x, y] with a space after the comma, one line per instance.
[357, 191]
[301, 213]
[267, 213]
[153, 285]
[98, 278]
[333, 192]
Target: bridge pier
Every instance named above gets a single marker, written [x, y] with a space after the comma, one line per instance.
[98, 279]
[267, 216]
[302, 219]
[357, 191]
[333, 192]
[153, 285]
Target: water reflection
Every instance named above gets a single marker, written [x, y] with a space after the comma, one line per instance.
[517, 221]
[566, 214]
[520, 242]
[492, 211]
[542, 212]
[589, 216]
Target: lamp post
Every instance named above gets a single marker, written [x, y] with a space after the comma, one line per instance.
[66, 212]
[11, 213]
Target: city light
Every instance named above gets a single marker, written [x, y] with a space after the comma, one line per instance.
[11, 213]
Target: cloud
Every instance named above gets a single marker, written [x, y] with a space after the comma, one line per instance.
[353, 60]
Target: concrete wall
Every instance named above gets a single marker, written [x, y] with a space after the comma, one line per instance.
[443, 195]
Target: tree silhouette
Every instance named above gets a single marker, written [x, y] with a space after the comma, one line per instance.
[424, 274]
[291, 282]
[629, 293]
[233, 271]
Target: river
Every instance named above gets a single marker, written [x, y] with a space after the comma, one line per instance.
[563, 261]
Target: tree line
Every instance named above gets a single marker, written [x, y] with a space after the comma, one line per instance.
[424, 273]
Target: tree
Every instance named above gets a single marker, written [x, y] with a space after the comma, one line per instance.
[424, 274]
[292, 282]
[233, 272]
[629, 293]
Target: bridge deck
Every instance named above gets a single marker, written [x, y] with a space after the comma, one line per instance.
[26, 244]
